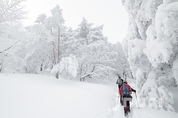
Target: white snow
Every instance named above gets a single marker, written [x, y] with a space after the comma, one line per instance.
[43, 96]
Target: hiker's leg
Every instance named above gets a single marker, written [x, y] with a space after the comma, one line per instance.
[121, 100]
[125, 101]
[128, 106]
[125, 111]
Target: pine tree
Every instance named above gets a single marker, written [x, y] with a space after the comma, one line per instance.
[84, 29]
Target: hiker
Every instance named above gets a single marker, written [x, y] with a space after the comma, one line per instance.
[120, 82]
[125, 91]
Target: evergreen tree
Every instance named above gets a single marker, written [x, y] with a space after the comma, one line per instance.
[96, 34]
[84, 29]
[41, 19]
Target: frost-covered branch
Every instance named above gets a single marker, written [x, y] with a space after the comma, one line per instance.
[11, 10]
[10, 47]
[87, 75]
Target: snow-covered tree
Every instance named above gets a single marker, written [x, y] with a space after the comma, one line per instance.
[67, 67]
[84, 52]
[151, 47]
[41, 19]
[55, 24]
[11, 13]
[10, 54]
[122, 64]
[98, 61]
[47, 37]
[96, 34]
[40, 49]
[84, 29]
[11, 10]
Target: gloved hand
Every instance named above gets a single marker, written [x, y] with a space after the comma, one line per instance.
[134, 90]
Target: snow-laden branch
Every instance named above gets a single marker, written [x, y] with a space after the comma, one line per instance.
[11, 10]
[10, 46]
[87, 75]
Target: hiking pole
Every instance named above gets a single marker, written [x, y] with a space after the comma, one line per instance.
[137, 100]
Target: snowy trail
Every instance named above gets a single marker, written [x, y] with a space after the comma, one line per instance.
[39, 96]
[141, 112]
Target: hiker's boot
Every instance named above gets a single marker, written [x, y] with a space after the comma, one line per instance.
[125, 111]
[129, 110]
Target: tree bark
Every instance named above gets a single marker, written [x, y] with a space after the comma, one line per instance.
[54, 54]
[58, 51]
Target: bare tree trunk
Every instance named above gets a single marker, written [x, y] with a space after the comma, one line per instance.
[54, 61]
[57, 75]
[0, 66]
[41, 67]
[58, 51]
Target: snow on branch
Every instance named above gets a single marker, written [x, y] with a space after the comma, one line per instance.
[87, 75]
[11, 10]
[9, 47]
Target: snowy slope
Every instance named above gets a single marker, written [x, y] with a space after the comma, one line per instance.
[42, 96]
[36, 96]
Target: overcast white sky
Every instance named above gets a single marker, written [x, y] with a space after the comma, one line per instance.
[109, 13]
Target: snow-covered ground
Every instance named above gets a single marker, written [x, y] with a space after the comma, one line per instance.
[43, 96]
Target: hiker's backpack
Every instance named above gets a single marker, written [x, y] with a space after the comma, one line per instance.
[125, 90]
[119, 81]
